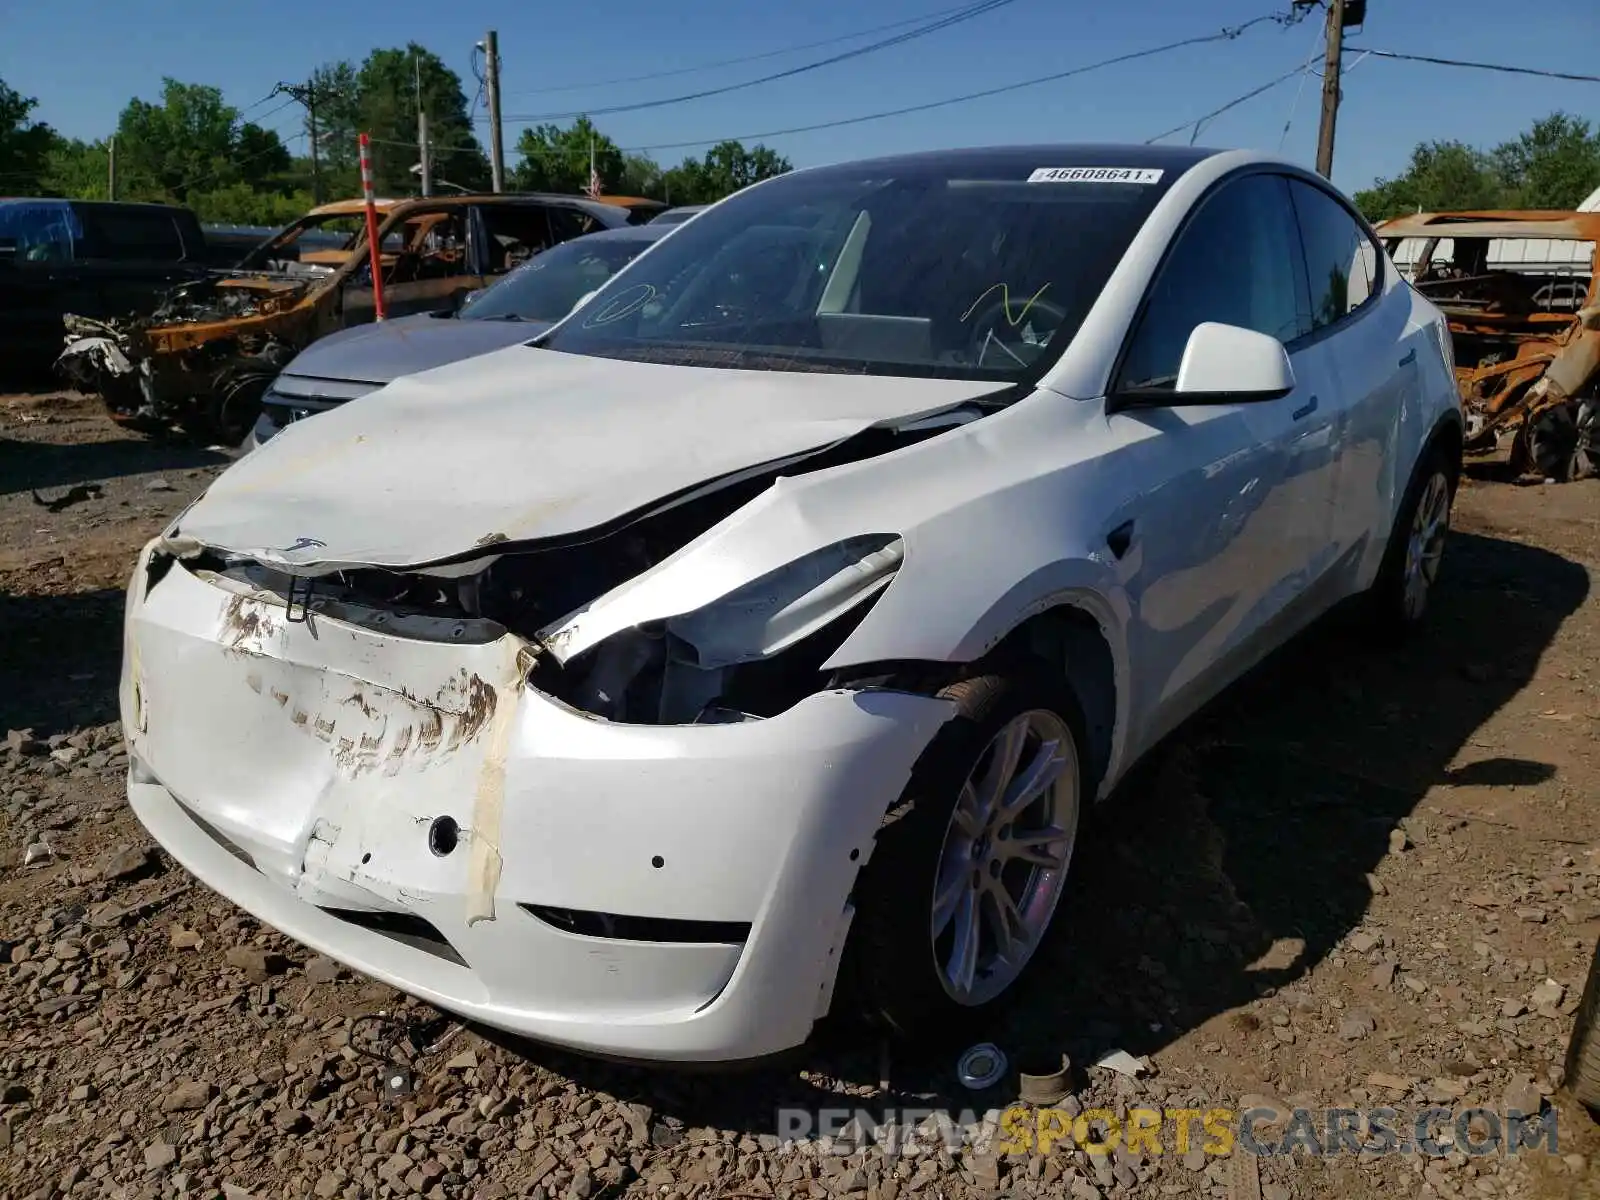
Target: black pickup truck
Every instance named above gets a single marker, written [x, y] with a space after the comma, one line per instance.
[94, 258]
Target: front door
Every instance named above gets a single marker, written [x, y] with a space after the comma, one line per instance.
[426, 262]
[1230, 529]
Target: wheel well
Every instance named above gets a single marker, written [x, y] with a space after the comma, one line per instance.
[1447, 436]
[1069, 639]
[1066, 638]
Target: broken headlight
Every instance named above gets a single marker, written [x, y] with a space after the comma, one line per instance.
[753, 652]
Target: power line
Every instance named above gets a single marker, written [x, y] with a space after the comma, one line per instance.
[1303, 70]
[259, 103]
[1294, 105]
[1217, 112]
[968, 13]
[1228, 33]
[747, 58]
[1481, 66]
[281, 144]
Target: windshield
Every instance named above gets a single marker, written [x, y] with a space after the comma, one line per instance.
[323, 240]
[962, 270]
[547, 286]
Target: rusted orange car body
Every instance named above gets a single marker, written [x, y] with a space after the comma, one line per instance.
[1526, 329]
[202, 361]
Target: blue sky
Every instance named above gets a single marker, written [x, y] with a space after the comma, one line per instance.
[82, 61]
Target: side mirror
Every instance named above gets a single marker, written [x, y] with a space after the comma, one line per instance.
[1230, 365]
[1221, 364]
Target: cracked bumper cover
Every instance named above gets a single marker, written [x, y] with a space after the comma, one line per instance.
[296, 767]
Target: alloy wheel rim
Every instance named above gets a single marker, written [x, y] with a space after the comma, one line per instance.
[1425, 545]
[1005, 856]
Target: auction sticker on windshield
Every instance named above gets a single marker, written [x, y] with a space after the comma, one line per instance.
[1096, 175]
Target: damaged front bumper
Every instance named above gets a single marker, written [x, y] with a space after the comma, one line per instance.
[391, 792]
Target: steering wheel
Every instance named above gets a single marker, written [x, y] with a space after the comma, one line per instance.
[1006, 335]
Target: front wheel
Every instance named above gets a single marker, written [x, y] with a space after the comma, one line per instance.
[971, 864]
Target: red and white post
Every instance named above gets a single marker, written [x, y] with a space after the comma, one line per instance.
[373, 249]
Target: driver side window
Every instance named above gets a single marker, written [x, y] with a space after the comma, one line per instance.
[1234, 262]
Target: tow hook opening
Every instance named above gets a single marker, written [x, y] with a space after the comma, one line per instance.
[443, 836]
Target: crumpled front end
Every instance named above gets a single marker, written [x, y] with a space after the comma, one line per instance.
[199, 362]
[388, 785]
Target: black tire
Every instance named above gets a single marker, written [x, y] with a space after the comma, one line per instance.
[1583, 1051]
[227, 417]
[1553, 442]
[892, 967]
[1389, 615]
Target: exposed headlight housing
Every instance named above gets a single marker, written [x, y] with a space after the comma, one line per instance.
[773, 613]
[752, 652]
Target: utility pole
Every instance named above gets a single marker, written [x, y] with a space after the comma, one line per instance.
[111, 168]
[309, 94]
[425, 159]
[1332, 65]
[424, 166]
[316, 161]
[491, 85]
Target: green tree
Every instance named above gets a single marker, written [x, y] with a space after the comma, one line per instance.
[241, 204]
[642, 176]
[388, 86]
[1440, 176]
[337, 95]
[77, 168]
[25, 144]
[554, 159]
[726, 167]
[1556, 164]
[192, 142]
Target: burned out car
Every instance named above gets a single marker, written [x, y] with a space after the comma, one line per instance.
[515, 308]
[202, 361]
[749, 646]
[1519, 291]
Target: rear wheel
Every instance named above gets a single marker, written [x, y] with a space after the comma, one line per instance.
[1399, 599]
[970, 867]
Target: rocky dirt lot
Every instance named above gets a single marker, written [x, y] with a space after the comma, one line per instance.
[1363, 879]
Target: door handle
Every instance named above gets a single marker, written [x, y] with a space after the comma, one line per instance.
[1305, 410]
[1411, 357]
[1120, 538]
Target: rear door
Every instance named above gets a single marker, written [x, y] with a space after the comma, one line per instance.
[1362, 315]
[510, 234]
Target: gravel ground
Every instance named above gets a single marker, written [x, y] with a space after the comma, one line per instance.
[1362, 879]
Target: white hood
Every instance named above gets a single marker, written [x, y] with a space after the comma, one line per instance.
[532, 444]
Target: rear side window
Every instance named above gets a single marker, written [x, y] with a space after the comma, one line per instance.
[1234, 262]
[135, 235]
[1341, 261]
[39, 233]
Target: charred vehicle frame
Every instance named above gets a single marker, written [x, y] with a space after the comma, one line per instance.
[1526, 341]
[203, 359]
